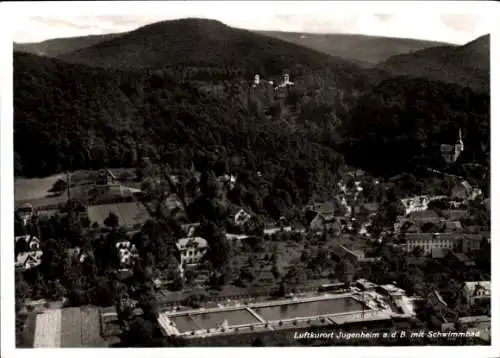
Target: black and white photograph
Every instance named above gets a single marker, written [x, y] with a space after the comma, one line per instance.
[186, 174]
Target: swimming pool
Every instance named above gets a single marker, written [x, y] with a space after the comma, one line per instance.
[208, 320]
[308, 309]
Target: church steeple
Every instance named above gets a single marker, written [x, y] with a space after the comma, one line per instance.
[460, 143]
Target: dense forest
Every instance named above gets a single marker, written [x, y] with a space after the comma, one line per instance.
[402, 122]
[134, 115]
[467, 65]
[180, 120]
[181, 103]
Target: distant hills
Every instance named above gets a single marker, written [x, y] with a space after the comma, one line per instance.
[360, 49]
[200, 42]
[206, 43]
[366, 51]
[184, 84]
[467, 65]
[57, 47]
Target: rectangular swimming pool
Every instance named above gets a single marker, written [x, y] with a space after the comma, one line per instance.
[213, 319]
[308, 309]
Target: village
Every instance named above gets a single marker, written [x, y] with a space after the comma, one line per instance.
[325, 246]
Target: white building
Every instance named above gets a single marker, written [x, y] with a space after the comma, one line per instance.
[127, 253]
[25, 213]
[28, 260]
[450, 153]
[431, 241]
[241, 217]
[414, 204]
[418, 203]
[476, 292]
[192, 250]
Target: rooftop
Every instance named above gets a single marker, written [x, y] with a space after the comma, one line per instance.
[439, 253]
[424, 215]
[474, 319]
[472, 286]
[188, 241]
[463, 258]
[323, 208]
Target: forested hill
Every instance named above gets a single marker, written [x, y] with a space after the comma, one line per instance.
[467, 65]
[74, 116]
[206, 43]
[402, 122]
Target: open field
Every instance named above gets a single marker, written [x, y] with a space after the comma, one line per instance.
[25, 329]
[68, 328]
[48, 329]
[129, 214]
[35, 188]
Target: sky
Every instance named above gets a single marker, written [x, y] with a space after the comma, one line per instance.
[433, 20]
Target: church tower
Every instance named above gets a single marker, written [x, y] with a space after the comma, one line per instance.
[450, 153]
[459, 145]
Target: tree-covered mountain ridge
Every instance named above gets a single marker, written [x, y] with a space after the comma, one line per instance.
[467, 65]
[93, 117]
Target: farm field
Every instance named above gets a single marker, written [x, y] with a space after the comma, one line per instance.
[36, 190]
[48, 329]
[69, 328]
[129, 214]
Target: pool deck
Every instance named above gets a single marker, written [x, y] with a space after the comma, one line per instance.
[369, 312]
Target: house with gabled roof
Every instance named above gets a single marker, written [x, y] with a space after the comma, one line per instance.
[452, 226]
[439, 253]
[472, 242]
[465, 191]
[241, 217]
[477, 292]
[425, 216]
[32, 242]
[458, 261]
[454, 215]
[105, 177]
[191, 251]
[25, 212]
[320, 214]
[28, 260]
[127, 253]
[190, 228]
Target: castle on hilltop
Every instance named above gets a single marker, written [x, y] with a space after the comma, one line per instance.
[450, 153]
[285, 81]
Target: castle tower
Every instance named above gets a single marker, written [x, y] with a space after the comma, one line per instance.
[286, 78]
[256, 80]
